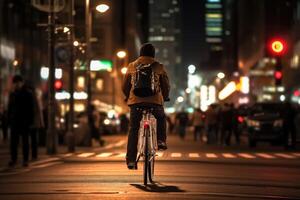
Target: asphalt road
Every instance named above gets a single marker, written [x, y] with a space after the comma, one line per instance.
[100, 173]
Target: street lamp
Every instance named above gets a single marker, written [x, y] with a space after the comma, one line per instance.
[88, 18]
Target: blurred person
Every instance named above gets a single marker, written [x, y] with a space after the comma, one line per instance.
[20, 118]
[211, 123]
[4, 123]
[289, 127]
[94, 126]
[198, 124]
[155, 102]
[226, 124]
[182, 120]
[38, 122]
[170, 124]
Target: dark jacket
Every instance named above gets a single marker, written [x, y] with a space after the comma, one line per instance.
[21, 108]
[158, 68]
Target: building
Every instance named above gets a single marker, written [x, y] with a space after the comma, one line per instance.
[165, 35]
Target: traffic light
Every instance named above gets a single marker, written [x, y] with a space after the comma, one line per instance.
[278, 47]
[278, 77]
[58, 85]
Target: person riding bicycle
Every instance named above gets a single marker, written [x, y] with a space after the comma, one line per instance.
[155, 102]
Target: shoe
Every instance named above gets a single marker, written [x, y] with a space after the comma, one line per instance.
[162, 145]
[101, 142]
[132, 165]
[25, 164]
[12, 163]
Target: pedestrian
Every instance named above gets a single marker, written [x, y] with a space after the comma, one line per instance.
[198, 124]
[211, 124]
[4, 123]
[226, 124]
[289, 127]
[38, 123]
[94, 125]
[182, 120]
[20, 118]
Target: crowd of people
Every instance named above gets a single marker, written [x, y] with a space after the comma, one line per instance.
[216, 125]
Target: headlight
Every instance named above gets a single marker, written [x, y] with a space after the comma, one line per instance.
[278, 123]
[253, 123]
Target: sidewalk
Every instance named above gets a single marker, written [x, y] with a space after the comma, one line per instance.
[62, 151]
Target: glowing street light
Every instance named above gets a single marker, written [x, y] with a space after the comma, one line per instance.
[221, 75]
[180, 99]
[76, 43]
[124, 70]
[192, 69]
[102, 8]
[121, 54]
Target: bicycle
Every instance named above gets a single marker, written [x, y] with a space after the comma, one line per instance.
[147, 143]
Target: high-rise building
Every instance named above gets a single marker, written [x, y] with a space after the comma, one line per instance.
[165, 35]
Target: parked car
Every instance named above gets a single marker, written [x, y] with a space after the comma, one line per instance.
[265, 123]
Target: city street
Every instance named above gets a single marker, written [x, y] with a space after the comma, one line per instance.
[187, 170]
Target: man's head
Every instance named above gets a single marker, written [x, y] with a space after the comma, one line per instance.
[18, 82]
[147, 49]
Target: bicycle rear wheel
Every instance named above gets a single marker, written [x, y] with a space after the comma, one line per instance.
[151, 169]
[146, 157]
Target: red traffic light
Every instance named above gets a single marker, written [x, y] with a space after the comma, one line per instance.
[278, 74]
[278, 46]
[58, 85]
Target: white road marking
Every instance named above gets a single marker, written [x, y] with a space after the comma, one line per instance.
[296, 154]
[120, 143]
[264, 155]
[103, 155]
[67, 154]
[85, 155]
[246, 155]
[159, 154]
[211, 155]
[194, 155]
[176, 155]
[283, 155]
[229, 155]
[121, 155]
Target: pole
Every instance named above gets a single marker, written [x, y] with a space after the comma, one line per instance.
[51, 132]
[88, 21]
[70, 134]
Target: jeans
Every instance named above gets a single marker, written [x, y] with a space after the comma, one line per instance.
[134, 125]
[14, 142]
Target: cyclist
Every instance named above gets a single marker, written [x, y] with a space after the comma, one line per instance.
[155, 102]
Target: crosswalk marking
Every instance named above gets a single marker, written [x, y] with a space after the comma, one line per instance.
[176, 155]
[121, 155]
[211, 155]
[246, 155]
[120, 143]
[264, 155]
[283, 155]
[67, 154]
[228, 155]
[85, 155]
[159, 154]
[194, 155]
[103, 155]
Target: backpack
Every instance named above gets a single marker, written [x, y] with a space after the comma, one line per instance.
[145, 80]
